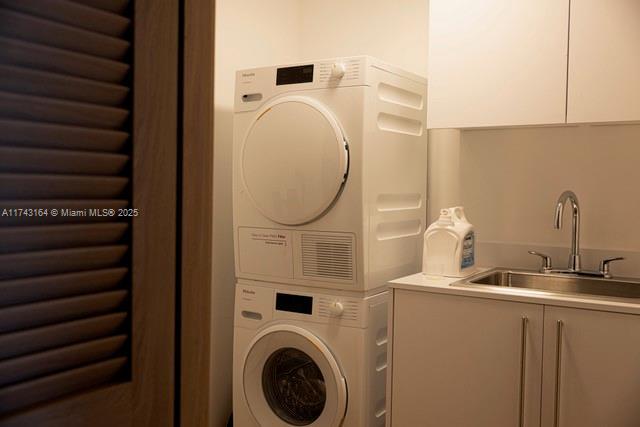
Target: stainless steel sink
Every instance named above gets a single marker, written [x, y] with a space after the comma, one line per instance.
[556, 283]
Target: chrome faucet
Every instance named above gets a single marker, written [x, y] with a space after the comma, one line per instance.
[574, 257]
[575, 266]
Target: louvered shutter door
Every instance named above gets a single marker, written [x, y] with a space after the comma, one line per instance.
[65, 115]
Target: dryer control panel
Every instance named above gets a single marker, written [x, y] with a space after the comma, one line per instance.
[256, 85]
[256, 305]
[330, 73]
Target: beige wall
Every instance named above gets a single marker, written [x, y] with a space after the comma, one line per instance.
[248, 33]
[393, 31]
[509, 180]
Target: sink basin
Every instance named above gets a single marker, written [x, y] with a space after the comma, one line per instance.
[557, 283]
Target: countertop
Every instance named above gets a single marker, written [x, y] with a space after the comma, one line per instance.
[443, 285]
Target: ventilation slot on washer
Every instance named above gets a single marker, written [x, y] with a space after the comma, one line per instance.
[327, 256]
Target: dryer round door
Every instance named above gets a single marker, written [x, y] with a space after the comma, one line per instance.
[291, 378]
[295, 160]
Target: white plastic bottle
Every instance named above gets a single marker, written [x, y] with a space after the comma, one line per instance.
[449, 245]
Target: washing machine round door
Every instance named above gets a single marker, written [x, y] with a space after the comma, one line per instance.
[291, 378]
[295, 160]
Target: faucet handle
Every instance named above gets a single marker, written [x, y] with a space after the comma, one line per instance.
[546, 262]
[604, 266]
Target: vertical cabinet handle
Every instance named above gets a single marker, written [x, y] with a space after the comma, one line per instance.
[523, 364]
[559, 334]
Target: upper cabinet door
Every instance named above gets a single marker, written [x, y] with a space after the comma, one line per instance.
[498, 62]
[604, 61]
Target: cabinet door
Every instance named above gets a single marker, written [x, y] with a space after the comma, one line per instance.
[459, 361]
[591, 369]
[604, 61]
[497, 62]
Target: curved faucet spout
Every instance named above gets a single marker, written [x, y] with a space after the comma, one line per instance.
[574, 258]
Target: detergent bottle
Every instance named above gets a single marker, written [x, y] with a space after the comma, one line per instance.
[449, 245]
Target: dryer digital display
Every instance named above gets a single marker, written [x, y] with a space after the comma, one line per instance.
[294, 303]
[293, 75]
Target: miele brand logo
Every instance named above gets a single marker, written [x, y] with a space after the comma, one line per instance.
[248, 74]
[247, 291]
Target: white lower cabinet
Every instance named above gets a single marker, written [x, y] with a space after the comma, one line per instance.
[459, 361]
[592, 378]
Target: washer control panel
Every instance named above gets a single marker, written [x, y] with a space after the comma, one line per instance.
[345, 308]
[257, 304]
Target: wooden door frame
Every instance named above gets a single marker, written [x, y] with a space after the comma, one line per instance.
[149, 399]
[196, 256]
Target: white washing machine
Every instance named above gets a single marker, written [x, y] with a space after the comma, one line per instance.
[308, 358]
[330, 173]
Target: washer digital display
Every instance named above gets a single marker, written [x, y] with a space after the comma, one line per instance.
[294, 303]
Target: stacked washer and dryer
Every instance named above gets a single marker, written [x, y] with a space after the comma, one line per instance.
[329, 186]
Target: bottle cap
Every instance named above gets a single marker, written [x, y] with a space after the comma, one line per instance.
[445, 217]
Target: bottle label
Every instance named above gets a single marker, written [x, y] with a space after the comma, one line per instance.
[468, 250]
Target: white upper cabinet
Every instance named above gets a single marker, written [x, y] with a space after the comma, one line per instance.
[604, 61]
[498, 62]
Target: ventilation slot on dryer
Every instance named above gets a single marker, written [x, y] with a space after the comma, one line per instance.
[328, 256]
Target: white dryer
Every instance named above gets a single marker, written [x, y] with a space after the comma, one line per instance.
[330, 173]
[308, 358]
